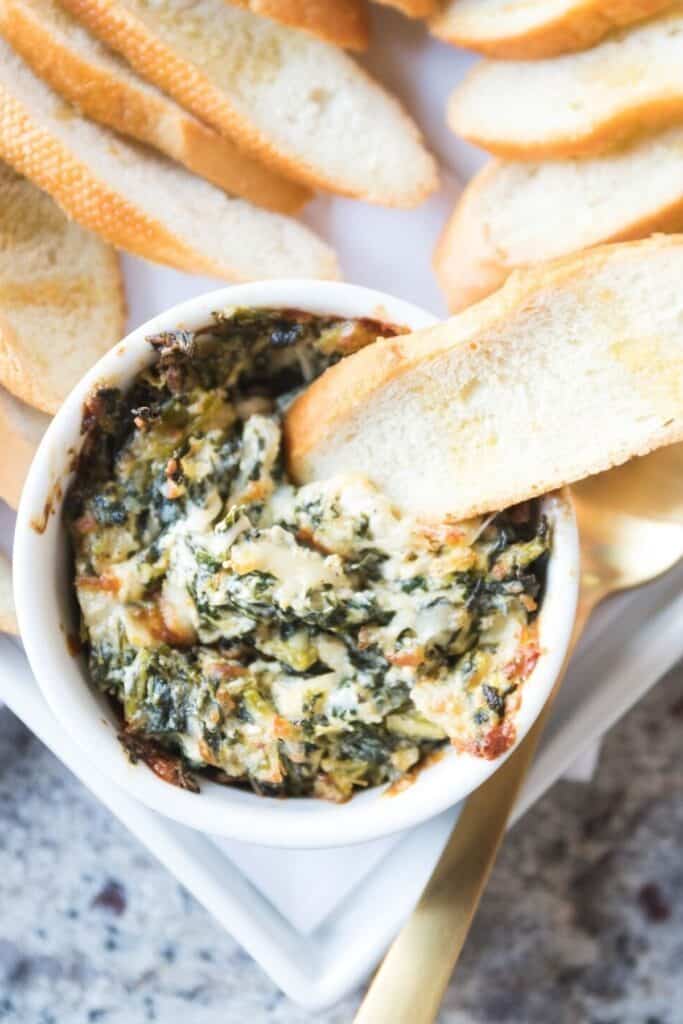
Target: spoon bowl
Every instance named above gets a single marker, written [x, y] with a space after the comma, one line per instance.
[630, 525]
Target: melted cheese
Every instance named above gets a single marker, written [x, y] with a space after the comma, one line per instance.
[297, 570]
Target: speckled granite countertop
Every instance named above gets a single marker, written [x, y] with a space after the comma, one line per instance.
[582, 922]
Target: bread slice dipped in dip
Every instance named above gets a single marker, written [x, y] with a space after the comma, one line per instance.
[299, 640]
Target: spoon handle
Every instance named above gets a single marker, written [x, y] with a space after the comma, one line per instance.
[408, 987]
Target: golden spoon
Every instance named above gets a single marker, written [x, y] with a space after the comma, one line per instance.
[631, 530]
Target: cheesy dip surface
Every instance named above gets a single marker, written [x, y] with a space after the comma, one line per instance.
[301, 640]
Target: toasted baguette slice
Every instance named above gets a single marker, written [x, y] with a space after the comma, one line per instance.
[21, 429]
[297, 103]
[515, 215]
[566, 371]
[413, 8]
[61, 296]
[8, 618]
[342, 22]
[579, 104]
[141, 202]
[534, 29]
[102, 86]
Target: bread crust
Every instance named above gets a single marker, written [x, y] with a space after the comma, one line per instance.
[158, 62]
[470, 265]
[598, 137]
[584, 25]
[336, 399]
[155, 120]
[413, 8]
[622, 128]
[47, 162]
[32, 151]
[343, 23]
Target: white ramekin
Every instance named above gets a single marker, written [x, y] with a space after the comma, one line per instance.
[46, 612]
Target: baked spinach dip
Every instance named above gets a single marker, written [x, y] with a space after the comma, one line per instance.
[299, 640]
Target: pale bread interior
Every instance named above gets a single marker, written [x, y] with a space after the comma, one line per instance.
[293, 99]
[499, 17]
[523, 106]
[515, 214]
[565, 372]
[67, 30]
[537, 28]
[61, 298]
[229, 236]
[342, 22]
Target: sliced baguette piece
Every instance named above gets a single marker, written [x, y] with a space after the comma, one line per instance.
[103, 87]
[534, 29]
[514, 215]
[413, 8]
[300, 105]
[580, 104]
[341, 22]
[568, 370]
[142, 202]
[21, 430]
[8, 618]
[61, 296]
